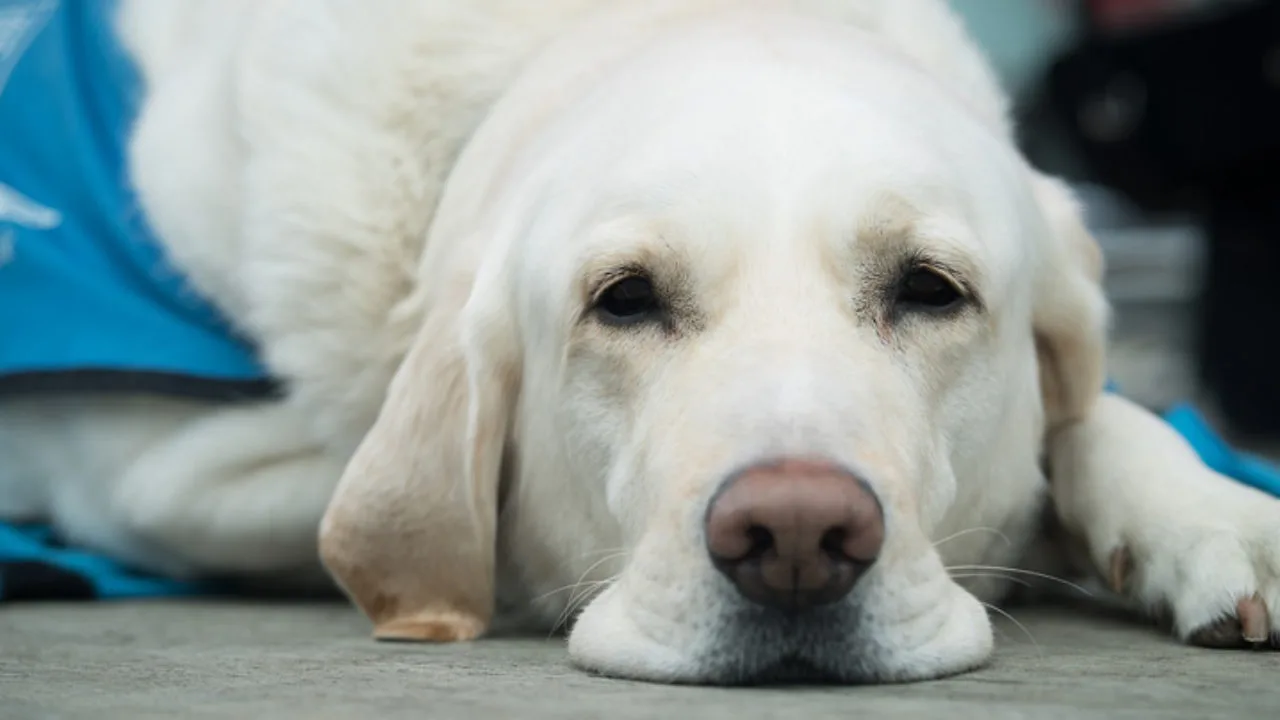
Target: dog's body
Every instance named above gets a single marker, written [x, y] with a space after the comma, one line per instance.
[379, 193]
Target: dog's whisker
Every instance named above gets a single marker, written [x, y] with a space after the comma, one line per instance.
[604, 551]
[1010, 578]
[572, 586]
[993, 531]
[598, 563]
[567, 588]
[575, 603]
[1032, 573]
[582, 590]
[1020, 626]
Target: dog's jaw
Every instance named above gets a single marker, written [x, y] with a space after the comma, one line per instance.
[901, 629]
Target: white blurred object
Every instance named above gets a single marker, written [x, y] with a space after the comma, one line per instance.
[1153, 276]
[1149, 260]
[1153, 280]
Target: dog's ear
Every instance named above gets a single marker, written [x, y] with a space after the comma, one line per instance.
[1070, 313]
[410, 531]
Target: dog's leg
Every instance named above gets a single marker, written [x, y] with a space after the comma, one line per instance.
[236, 490]
[1164, 530]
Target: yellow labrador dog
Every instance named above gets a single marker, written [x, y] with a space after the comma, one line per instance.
[739, 326]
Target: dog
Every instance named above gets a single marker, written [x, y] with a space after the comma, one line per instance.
[736, 332]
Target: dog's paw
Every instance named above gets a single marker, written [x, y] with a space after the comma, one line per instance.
[1215, 576]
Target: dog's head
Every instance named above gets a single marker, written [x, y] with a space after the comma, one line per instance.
[727, 335]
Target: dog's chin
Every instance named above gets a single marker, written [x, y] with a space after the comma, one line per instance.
[762, 647]
[792, 670]
[848, 643]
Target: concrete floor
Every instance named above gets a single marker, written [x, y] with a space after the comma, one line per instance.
[316, 661]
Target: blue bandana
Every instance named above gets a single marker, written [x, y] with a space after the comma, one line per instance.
[88, 301]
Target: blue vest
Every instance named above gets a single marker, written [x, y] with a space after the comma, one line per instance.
[88, 300]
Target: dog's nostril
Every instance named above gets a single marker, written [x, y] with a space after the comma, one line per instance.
[761, 542]
[832, 543]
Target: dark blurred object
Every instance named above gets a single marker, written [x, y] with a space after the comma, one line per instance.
[1165, 112]
[1177, 105]
[1111, 16]
[1240, 316]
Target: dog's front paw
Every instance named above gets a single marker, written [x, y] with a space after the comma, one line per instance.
[1189, 544]
[1215, 576]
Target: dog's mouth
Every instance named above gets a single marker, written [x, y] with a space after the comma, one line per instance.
[768, 648]
[790, 669]
[921, 632]
[826, 664]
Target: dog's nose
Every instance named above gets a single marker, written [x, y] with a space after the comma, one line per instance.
[794, 534]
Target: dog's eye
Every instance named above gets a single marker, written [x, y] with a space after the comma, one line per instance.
[628, 301]
[926, 289]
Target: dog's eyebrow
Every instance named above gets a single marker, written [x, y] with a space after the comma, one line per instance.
[896, 229]
[601, 269]
[647, 254]
[890, 219]
[624, 245]
[596, 280]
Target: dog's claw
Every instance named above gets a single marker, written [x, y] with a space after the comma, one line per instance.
[1249, 626]
[1255, 622]
[1119, 570]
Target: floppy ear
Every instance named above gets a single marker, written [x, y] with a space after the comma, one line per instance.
[1070, 314]
[410, 531]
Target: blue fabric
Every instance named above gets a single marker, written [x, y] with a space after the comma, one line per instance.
[85, 289]
[35, 565]
[84, 286]
[1219, 455]
[1215, 451]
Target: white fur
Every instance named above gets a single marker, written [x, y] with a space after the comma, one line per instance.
[324, 170]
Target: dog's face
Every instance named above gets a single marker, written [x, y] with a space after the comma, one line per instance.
[755, 326]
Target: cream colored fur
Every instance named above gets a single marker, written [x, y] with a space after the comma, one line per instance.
[406, 202]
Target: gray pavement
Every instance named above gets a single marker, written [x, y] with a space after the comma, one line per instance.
[279, 660]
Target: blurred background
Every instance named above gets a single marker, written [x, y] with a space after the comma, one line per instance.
[1165, 117]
